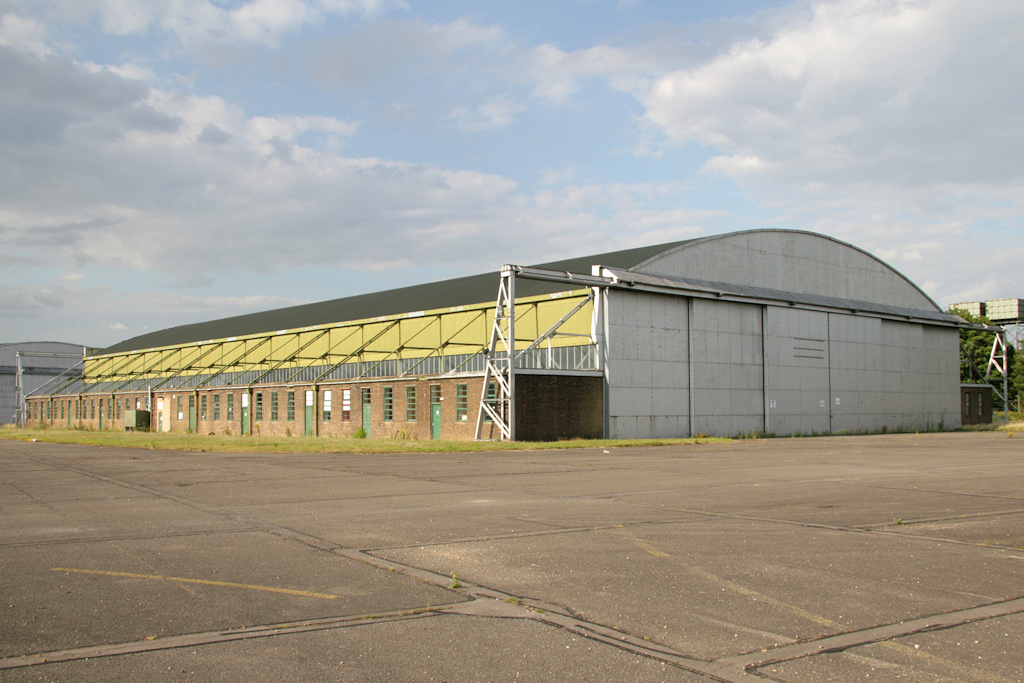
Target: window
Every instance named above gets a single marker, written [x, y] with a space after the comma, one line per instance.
[127, 403]
[216, 407]
[62, 410]
[461, 402]
[231, 407]
[435, 393]
[202, 408]
[389, 404]
[346, 405]
[92, 409]
[410, 403]
[273, 406]
[291, 406]
[191, 407]
[327, 406]
[179, 408]
[117, 408]
[258, 407]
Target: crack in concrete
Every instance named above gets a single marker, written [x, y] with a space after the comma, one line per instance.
[212, 637]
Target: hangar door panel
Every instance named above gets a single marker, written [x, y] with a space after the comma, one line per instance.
[798, 371]
[648, 368]
[728, 373]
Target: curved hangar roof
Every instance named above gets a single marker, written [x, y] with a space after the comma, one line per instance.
[773, 262]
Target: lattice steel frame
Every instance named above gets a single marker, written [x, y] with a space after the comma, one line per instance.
[502, 356]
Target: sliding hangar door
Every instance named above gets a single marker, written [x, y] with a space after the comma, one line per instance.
[837, 356]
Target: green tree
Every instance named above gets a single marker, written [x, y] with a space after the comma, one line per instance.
[977, 344]
[1016, 379]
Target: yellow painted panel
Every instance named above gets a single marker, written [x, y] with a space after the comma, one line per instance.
[463, 331]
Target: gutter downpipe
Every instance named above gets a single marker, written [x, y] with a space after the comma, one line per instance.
[20, 391]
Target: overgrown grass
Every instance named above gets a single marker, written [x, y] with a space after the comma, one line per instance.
[1016, 423]
[197, 443]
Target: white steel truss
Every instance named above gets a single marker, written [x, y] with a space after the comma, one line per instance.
[501, 358]
[998, 360]
[501, 369]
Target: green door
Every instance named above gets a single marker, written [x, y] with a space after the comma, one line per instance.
[435, 420]
[366, 419]
[101, 413]
[367, 413]
[192, 413]
[309, 413]
[69, 414]
[245, 414]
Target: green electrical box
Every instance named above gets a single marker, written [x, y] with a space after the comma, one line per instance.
[136, 420]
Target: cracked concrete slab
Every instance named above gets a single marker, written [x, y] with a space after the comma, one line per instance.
[782, 559]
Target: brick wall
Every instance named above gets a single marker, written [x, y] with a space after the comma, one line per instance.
[548, 408]
[552, 407]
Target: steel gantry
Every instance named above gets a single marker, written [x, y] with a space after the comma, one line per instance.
[497, 399]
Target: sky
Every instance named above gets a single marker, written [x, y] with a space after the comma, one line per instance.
[164, 162]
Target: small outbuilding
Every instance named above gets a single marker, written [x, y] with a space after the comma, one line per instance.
[976, 404]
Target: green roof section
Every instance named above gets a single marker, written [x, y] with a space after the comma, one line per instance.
[462, 291]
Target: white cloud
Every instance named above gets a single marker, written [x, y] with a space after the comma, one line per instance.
[109, 314]
[497, 112]
[892, 124]
[23, 33]
[160, 181]
[903, 91]
[556, 74]
[200, 22]
[414, 55]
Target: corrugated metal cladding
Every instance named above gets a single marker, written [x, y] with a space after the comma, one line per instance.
[840, 343]
[763, 331]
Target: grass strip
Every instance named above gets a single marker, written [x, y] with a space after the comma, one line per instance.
[222, 443]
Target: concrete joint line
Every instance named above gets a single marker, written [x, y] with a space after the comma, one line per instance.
[252, 522]
[212, 637]
[492, 603]
[844, 641]
[948, 518]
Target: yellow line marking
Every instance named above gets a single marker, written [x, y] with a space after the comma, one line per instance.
[227, 584]
[888, 644]
[649, 548]
[766, 598]
[967, 672]
[897, 647]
